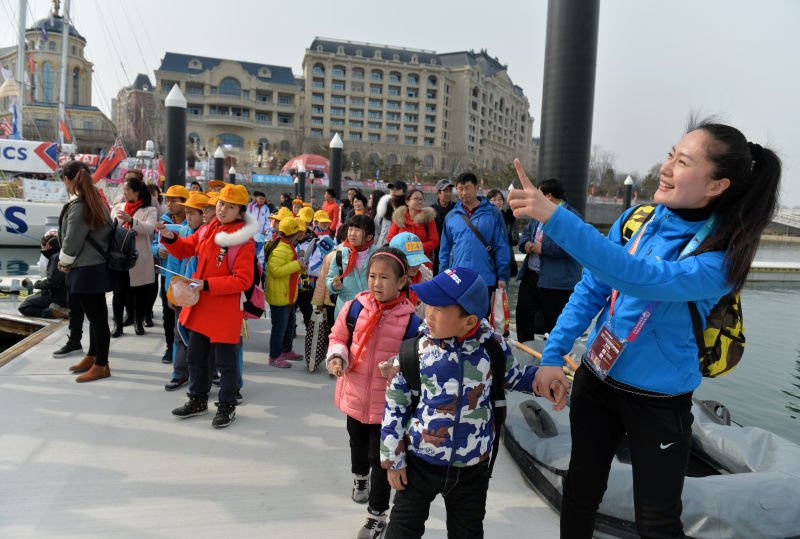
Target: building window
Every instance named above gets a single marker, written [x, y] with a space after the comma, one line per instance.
[410, 129]
[47, 82]
[413, 79]
[412, 93]
[392, 139]
[431, 94]
[375, 115]
[338, 86]
[432, 81]
[430, 108]
[394, 77]
[359, 101]
[337, 100]
[373, 125]
[318, 83]
[337, 111]
[356, 123]
[411, 118]
[316, 121]
[376, 75]
[194, 89]
[230, 139]
[285, 99]
[263, 117]
[338, 72]
[51, 45]
[356, 113]
[356, 136]
[357, 73]
[245, 94]
[316, 132]
[376, 103]
[74, 50]
[264, 97]
[393, 105]
[230, 86]
[394, 90]
[317, 98]
[356, 87]
[337, 123]
[374, 137]
[194, 110]
[375, 89]
[393, 127]
[411, 140]
[412, 107]
[284, 119]
[318, 70]
[265, 73]
[317, 109]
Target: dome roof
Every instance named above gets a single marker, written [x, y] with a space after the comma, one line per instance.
[54, 24]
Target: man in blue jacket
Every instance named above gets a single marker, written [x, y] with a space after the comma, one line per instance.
[484, 249]
[548, 275]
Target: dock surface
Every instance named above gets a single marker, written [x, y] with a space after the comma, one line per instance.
[107, 459]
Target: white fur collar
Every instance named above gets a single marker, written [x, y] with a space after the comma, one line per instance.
[229, 239]
[383, 205]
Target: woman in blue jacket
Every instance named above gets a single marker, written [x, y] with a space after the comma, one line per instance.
[716, 194]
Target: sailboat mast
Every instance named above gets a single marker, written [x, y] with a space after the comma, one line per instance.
[62, 97]
[21, 66]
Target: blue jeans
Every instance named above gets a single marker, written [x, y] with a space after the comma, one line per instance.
[283, 322]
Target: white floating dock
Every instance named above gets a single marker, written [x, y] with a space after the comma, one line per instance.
[107, 459]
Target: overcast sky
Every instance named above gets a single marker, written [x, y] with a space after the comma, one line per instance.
[658, 61]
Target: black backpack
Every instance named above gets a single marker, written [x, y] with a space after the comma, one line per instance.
[121, 253]
[409, 366]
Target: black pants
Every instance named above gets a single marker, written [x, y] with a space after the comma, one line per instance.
[464, 492]
[75, 320]
[659, 432]
[528, 306]
[96, 310]
[135, 298]
[552, 301]
[168, 314]
[37, 305]
[365, 459]
[304, 305]
[201, 351]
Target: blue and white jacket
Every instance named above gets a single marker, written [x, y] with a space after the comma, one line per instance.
[461, 247]
[453, 424]
[171, 263]
[663, 359]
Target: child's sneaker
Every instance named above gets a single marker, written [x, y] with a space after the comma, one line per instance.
[226, 414]
[360, 488]
[194, 406]
[279, 362]
[374, 527]
[291, 355]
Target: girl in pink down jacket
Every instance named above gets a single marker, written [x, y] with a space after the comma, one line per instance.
[380, 328]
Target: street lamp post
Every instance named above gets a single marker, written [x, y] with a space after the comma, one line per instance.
[301, 181]
[626, 201]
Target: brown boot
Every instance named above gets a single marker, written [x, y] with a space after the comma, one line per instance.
[83, 365]
[95, 373]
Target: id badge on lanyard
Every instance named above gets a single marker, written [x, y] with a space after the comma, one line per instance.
[607, 346]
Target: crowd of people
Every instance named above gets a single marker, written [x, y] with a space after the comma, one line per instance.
[381, 278]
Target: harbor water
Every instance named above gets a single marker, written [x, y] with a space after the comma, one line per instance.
[763, 391]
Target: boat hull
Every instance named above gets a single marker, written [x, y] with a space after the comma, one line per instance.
[23, 223]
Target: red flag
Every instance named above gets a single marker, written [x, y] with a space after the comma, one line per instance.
[113, 158]
[62, 126]
[162, 171]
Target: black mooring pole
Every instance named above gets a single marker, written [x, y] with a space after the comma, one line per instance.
[175, 151]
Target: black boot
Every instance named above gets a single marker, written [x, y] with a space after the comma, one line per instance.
[117, 329]
[137, 326]
[128, 321]
[148, 320]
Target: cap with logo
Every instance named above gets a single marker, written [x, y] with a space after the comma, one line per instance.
[443, 184]
[456, 286]
[411, 246]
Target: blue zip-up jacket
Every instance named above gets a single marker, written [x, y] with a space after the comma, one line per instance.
[663, 358]
[461, 247]
[188, 265]
[171, 263]
[557, 270]
[354, 282]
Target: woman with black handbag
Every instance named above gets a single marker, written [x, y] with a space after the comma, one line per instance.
[84, 222]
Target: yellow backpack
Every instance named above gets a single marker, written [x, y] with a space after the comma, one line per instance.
[721, 344]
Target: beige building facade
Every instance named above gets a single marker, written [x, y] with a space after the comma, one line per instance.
[237, 104]
[89, 128]
[442, 113]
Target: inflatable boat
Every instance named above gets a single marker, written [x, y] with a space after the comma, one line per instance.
[742, 482]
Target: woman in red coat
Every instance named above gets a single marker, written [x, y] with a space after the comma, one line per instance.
[215, 320]
[414, 217]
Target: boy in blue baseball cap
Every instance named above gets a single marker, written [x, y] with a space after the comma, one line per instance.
[418, 270]
[443, 443]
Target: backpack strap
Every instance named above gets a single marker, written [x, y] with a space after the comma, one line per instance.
[697, 328]
[412, 329]
[409, 366]
[352, 317]
[498, 393]
[639, 216]
[339, 261]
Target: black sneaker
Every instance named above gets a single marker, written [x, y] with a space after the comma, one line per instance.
[174, 384]
[69, 349]
[239, 398]
[167, 357]
[226, 414]
[194, 406]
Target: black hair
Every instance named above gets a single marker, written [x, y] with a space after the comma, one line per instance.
[361, 197]
[399, 269]
[746, 207]
[258, 194]
[411, 192]
[493, 193]
[465, 177]
[363, 222]
[377, 194]
[137, 185]
[198, 185]
[462, 311]
[341, 234]
[553, 187]
[331, 192]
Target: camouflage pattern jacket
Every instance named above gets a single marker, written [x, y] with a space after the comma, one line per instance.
[453, 424]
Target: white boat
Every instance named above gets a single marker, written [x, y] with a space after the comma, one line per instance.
[23, 223]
